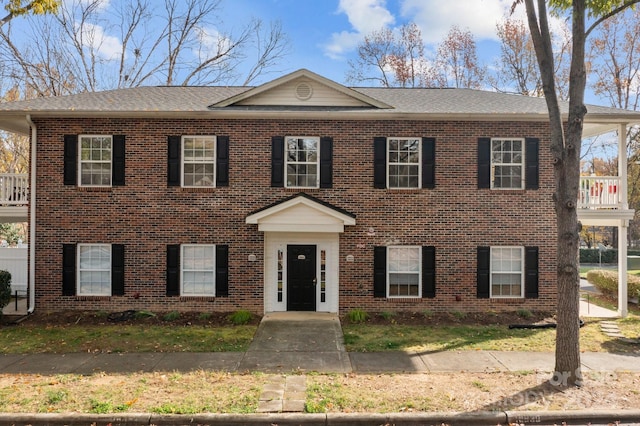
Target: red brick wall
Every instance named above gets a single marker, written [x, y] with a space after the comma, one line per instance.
[146, 214]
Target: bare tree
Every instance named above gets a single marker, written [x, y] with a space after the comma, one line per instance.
[457, 62]
[87, 47]
[373, 63]
[517, 69]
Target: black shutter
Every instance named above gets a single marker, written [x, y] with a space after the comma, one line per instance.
[531, 272]
[379, 271]
[117, 177]
[68, 269]
[222, 161]
[173, 161]
[277, 161]
[173, 270]
[117, 269]
[532, 147]
[222, 270]
[428, 163]
[326, 162]
[380, 162]
[428, 271]
[484, 258]
[484, 162]
[70, 159]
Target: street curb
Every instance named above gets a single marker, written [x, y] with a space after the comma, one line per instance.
[578, 417]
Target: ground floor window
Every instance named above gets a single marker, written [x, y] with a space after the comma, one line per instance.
[403, 271]
[507, 266]
[198, 270]
[94, 269]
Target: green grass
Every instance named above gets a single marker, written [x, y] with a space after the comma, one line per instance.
[125, 338]
[377, 338]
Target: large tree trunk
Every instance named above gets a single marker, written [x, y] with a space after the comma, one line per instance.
[565, 149]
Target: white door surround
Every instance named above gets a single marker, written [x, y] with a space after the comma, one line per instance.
[301, 220]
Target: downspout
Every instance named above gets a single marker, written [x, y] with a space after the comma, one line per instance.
[32, 217]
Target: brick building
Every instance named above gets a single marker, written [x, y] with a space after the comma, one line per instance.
[300, 194]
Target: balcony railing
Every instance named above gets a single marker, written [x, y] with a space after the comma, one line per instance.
[14, 189]
[599, 192]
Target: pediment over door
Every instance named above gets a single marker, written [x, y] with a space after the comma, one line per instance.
[301, 213]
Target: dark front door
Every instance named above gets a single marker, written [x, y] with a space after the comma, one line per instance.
[301, 278]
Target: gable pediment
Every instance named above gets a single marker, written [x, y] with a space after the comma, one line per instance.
[301, 213]
[302, 89]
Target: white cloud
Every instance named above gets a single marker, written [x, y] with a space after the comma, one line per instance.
[212, 42]
[436, 17]
[364, 16]
[107, 46]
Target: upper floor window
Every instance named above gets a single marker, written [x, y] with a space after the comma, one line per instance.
[302, 161]
[403, 162]
[507, 163]
[198, 161]
[95, 160]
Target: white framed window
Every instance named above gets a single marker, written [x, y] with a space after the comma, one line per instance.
[507, 272]
[302, 157]
[94, 269]
[403, 271]
[198, 270]
[95, 160]
[403, 163]
[198, 161]
[507, 163]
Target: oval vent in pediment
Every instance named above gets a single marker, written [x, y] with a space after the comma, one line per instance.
[304, 91]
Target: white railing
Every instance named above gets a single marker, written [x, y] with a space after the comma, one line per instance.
[14, 189]
[599, 192]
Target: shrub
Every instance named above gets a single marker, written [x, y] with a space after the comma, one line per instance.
[357, 316]
[240, 317]
[171, 316]
[607, 282]
[524, 313]
[593, 255]
[5, 289]
[387, 315]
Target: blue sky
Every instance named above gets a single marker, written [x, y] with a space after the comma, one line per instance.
[325, 33]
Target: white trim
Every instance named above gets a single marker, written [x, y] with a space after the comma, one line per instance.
[522, 272]
[418, 163]
[79, 270]
[274, 241]
[81, 161]
[301, 73]
[388, 271]
[326, 220]
[182, 162]
[212, 271]
[523, 163]
[287, 162]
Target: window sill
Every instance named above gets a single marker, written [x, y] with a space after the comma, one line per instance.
[405, 191]
[93, 298]
[197, 298]
[508, 300]
[94, 188]
[198, 190]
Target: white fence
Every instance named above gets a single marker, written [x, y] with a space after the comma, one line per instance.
[14, 260]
